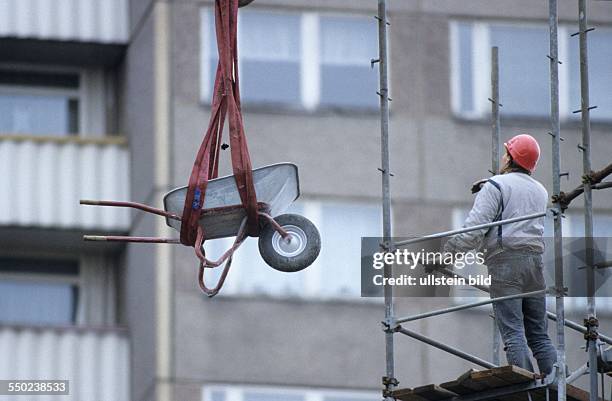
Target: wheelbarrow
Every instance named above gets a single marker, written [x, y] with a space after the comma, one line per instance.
[287, 242]
[290, 249]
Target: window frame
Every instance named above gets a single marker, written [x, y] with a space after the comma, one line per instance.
[481, 67]
[77, 94]
[314, 280]
[73, 280]
[310, 63]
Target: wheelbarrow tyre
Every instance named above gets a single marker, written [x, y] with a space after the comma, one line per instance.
[296, 255]
[243, 3]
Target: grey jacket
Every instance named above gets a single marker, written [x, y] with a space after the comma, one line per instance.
[521, 195]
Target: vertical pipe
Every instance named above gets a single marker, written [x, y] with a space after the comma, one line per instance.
[553, 24]
[495, 123]
[588, 202]
[386, 196]
[495, 110]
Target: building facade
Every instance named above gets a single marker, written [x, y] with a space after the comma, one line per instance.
[110, 100]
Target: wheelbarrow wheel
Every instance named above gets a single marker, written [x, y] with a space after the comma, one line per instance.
[295, 253]
[243, 3]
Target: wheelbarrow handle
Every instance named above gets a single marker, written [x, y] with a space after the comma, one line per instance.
[133, 205]
[120, 238]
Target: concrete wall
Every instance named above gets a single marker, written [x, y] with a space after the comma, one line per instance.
[139, 287]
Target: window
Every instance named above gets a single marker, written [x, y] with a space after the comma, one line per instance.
[35, 103]
[270, 58]
[336, 272]
[298, 60]
[600, 73]
[524, 70]
[265, 393]
[58, 291]
[347, 45]
[38, 292]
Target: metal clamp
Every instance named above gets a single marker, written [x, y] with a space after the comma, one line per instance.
[383, 170]
[588, 178]
[386, 246]
[591, 323]
[390, 325]
[585, 31]
[495, 102]
[558, 292]
[388, 382]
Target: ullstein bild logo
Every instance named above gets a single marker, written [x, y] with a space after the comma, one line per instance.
[426, 270]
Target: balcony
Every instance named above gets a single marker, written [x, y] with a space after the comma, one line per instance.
[43, 179]
[67, 20]
[94, 360]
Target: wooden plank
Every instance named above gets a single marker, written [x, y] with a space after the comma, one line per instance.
[430, 392]
[513, 374]
[576, 394]
[456, 386]
[406, 394]
[433, 392]
[466, 381]
[474, 381]
[488, 378]
[505, 376]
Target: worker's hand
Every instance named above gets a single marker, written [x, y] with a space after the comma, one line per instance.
[478, 185]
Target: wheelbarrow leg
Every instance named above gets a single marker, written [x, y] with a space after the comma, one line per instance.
[226, 257]
[275, 225]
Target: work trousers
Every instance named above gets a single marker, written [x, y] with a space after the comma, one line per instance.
[522, 322]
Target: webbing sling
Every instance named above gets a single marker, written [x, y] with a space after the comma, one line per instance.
[225, 102]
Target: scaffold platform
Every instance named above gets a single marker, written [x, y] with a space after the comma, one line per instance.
[506, 383]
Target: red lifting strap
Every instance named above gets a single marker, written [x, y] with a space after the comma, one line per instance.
[226, 101]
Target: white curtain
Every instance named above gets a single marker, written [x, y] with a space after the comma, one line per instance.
[269, 36]
[97, 302]
[25, 301]
[348, 40]
[34, 114]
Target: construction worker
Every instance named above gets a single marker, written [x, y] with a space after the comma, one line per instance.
[513, 252]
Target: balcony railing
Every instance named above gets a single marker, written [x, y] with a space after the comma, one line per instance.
[43, 178]
[95, 361]
[75, 20]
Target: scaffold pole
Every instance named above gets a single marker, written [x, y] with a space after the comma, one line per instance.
[553, 57]
[495, 155]
[389, 381]
[585, 147]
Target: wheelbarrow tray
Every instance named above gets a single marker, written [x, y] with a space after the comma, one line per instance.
[276, 186]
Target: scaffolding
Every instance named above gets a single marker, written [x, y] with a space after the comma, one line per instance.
[522, 380]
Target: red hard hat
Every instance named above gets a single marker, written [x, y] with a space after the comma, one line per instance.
[524, 150]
